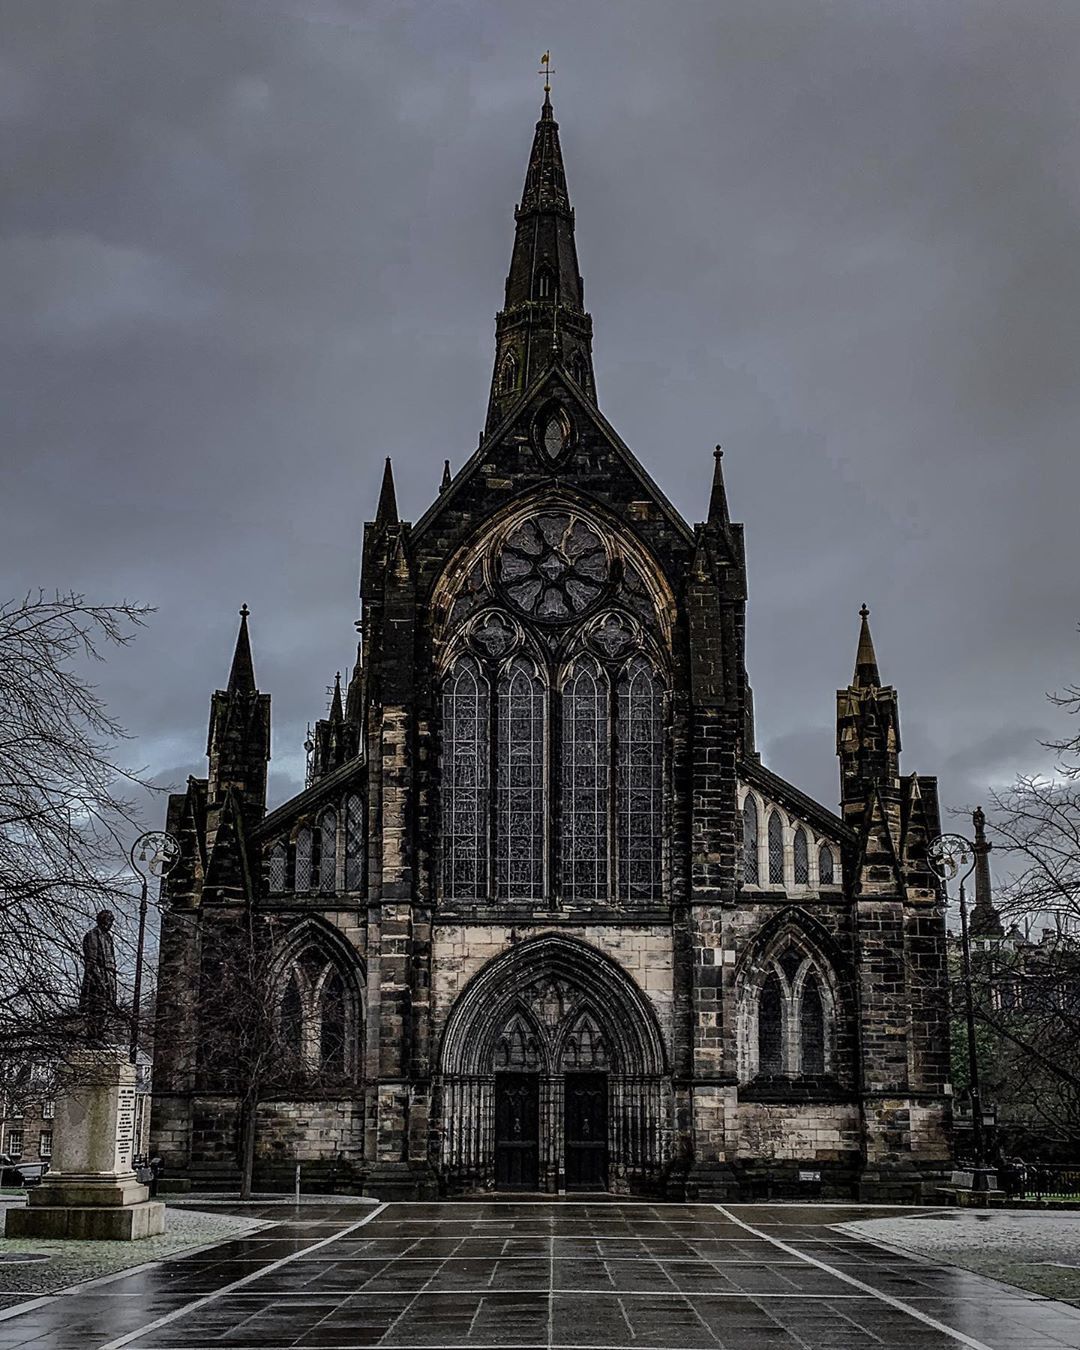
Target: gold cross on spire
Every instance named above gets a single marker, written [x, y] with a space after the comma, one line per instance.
[546, 71]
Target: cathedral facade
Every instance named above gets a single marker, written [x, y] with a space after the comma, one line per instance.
[541, 918]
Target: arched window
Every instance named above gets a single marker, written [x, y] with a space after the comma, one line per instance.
[544, 284]
[802, 858]
[584, 1047]
[520, 784]
[291, 1023]
[328, 851]
[640, 742]
[303, 859]
[465, 781]
[508, 374]
[332, 1025]
[771, 1027]
[579, 369]
[825, 866]
[516, 1048]
[776, 849]
[354, 843]
[585, 758]
[811, 1029]
[750, 840]
[278, 870]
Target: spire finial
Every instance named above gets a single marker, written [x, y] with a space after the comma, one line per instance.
[718, 507]
[386, 512]
[447, 479]
[547, 72]
[866, 667]
[242, 670]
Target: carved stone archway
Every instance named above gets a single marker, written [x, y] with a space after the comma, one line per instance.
[551, 1007]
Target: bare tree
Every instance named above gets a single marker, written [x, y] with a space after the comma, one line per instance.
[250, 1040]
[1029, 992]
[65, 811]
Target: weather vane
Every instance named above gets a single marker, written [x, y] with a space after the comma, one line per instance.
[546, 71]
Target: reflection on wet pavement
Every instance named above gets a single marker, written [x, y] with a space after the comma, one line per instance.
[546, 1274]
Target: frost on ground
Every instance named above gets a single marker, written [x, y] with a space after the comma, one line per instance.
[1039, 1252]
[72, 1262]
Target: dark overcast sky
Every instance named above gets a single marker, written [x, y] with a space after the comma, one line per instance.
[249, 249]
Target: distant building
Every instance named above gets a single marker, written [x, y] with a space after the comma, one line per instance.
[27, 1116]
[551, 922]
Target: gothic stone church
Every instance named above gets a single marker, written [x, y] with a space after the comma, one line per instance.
[542, 919]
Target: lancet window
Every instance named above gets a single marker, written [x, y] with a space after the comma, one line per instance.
[279, 865]
[802, 858]
[826, 875]
[641, 782]
[303, 858]
[585, 773]
[793, 1014]
[327, 877]
[465, 780]
[750, 840]
[520, 784]
[776, 849]
[355, 837]
[319, 1013]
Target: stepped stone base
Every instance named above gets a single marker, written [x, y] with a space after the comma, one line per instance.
[103, 1223]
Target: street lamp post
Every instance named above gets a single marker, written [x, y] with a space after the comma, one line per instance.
[153, 854]
[951, 856]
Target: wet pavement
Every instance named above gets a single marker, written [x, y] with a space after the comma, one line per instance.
[556, 1275]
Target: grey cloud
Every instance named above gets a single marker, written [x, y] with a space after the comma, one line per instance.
[255, 247]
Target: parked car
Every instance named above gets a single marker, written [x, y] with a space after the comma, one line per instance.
[14, 1173]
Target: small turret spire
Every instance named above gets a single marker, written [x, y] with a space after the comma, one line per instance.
[447, 478]
[387, 512]
[337, 713]
[242, 671]
[866, 667]
[718, 506]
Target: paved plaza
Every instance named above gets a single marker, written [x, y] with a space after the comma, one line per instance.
[545, 1274]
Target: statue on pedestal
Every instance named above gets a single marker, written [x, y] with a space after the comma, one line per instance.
[97, 996]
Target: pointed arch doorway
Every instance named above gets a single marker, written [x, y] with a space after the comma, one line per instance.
[552, 1076]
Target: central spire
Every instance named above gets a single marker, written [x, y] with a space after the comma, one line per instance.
[543, 320]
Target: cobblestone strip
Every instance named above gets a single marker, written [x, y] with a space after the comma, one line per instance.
[961, 1337]
[238, 1284]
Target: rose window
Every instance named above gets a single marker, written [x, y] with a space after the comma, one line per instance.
[554, 566]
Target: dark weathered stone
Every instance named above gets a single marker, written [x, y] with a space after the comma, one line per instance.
[673, 982]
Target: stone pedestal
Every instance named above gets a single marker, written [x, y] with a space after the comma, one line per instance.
[91, 1190]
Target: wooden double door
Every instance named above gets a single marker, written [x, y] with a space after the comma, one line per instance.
[518, 1130]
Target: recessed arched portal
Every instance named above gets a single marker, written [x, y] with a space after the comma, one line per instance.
[552, 1074]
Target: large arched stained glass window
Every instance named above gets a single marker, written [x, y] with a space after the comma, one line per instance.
[640, 741]
[519, 871]
[585, 760]
[750, 841]
[465, 781]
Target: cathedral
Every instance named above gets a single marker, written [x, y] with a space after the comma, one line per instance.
[541, 919]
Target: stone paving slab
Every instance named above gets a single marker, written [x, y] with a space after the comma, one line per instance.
[467, 1277]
